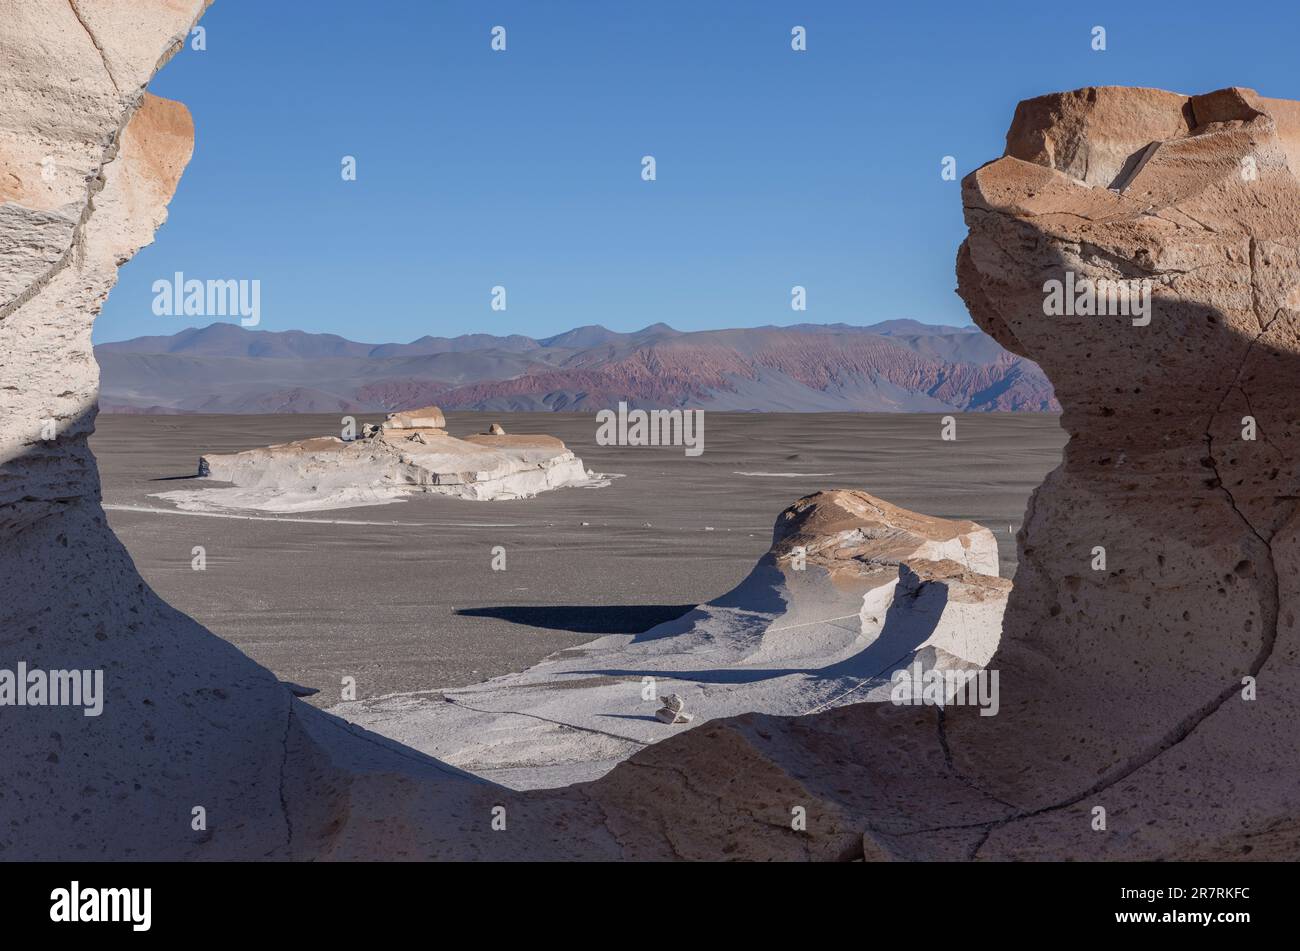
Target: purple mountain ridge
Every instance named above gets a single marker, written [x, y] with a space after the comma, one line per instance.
[893, 366]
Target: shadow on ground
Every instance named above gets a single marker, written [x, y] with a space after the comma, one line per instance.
[583, 618]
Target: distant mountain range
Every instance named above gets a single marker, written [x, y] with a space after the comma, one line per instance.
[894, 366]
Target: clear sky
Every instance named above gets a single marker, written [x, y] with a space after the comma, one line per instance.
[522, 168]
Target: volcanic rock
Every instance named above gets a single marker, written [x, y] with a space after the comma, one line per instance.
[671, 711]
[1148, 646]
[853, 591]
[1149, 641]
[429, 417]
[402, 458]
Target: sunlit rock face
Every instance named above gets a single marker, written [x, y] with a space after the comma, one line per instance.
[853, 594]
[88, 162]
[1156, 572]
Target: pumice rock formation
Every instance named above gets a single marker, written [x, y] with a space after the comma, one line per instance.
[198, 751]
[853, 592]
[408, 454]
[1148, 647]
[113, 785]
[673, 710]
[1179, 474]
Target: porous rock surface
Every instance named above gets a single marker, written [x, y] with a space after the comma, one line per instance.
[1121, 688]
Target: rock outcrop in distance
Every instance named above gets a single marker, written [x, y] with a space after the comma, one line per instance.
[895, 366]
[854, 594]
[1146, 709]
[408, 454]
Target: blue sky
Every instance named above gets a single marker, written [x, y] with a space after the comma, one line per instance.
[523, 168]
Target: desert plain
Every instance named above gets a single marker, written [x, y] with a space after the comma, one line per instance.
[403, 597]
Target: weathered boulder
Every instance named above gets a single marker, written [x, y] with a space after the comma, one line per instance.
[853, 593]
[384, 465]
[672, 710]
[1154, 561]
[851, 530]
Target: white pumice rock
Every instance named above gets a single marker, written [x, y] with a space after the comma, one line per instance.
[384, 465]
[672, 710]
[853, 591]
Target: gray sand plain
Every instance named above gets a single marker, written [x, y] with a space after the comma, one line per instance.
[402, 597]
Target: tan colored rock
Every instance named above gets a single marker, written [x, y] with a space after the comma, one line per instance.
[672, 710]
[1123, 687]
[429, 417]
[850, 529]
[1137, 669]
[496, 430]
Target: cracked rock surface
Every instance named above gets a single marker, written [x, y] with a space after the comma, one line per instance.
[1145, 659]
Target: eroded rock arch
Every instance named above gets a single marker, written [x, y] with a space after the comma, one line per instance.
[1120, 688]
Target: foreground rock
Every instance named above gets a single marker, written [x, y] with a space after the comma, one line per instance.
[408, 454]
[852, 591]
[1139, 669]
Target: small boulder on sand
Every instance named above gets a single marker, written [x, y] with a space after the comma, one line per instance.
[671, 711]
[495, 430]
